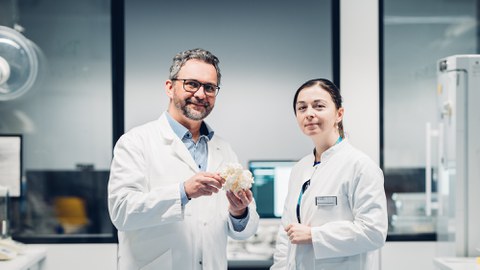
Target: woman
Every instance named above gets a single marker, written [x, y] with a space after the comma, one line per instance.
[335, 214]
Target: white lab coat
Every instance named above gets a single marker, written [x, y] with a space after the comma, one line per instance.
[345, 236]
[154, 230]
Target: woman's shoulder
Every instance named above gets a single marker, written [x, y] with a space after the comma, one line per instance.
[356, 156]
[303, 163]
[306, 160]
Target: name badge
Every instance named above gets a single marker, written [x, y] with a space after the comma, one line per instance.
[325, 200]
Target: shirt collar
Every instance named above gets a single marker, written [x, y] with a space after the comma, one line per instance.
[182, 131]
[329, 152]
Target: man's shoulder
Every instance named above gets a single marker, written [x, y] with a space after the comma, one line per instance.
[354, 154]
[219, 140]
[142, 127]
[358, 159]
[144, 130]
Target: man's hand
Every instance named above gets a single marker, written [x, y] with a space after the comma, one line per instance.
[203, 184]
[238, 202]
[299, 233]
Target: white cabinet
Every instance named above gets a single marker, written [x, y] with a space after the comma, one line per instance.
[457, 263]
[79, 256]
[408, 255]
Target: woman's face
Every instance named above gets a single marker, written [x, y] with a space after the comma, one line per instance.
[317, 114]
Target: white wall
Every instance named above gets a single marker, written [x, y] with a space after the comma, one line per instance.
[267, 49]
[359, 73]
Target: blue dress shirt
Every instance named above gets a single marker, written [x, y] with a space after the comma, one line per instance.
[199, 152]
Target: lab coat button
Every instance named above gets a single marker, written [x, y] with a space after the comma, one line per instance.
[205, 224]
[200, 262]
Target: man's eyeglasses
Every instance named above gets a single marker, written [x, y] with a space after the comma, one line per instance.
[192, 86]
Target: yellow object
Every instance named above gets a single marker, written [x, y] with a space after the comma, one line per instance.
[70, 210]
[478, 260]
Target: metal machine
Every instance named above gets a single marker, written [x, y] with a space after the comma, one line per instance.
[458, 166]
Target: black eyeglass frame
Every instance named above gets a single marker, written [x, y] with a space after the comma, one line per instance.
[216, 87]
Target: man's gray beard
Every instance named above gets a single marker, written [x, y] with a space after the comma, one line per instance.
[189, 113]
[193, 115]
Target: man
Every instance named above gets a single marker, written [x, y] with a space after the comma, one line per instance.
[165, 195]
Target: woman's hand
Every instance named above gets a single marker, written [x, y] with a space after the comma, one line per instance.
[299, 233]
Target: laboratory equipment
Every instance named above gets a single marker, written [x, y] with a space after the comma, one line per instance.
[18, 63]
[458, 165]
[11, 163]
[61, 203]
[409, 217]
[9, 248]
[270, 185]
[4, 198]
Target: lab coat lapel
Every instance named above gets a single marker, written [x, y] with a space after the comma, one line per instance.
[215, 158]
[182, 153]
[178, 147]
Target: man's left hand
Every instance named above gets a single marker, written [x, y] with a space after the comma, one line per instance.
[239, 202]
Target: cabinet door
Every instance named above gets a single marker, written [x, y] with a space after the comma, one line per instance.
[452, 162]
[398, 255]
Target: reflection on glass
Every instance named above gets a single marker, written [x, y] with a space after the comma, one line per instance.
[65, 119]
[65, 203]
[416, 35]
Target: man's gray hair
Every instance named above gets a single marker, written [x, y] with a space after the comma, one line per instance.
[199, 54]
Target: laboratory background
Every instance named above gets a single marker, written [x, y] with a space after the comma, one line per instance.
[75, 75]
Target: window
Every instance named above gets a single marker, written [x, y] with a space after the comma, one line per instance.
[65, 120]
[415, 36]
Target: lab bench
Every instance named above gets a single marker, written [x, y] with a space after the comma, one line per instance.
[33, 258]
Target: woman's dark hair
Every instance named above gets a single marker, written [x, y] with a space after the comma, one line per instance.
[328, 86]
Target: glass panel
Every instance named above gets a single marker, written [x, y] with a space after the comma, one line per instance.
[416, 35]
[65, 119]
[453, 84]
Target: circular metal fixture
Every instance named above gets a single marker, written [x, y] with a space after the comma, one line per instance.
[18, 64]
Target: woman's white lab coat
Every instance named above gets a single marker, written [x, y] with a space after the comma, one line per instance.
[346, 235]
[154, 230]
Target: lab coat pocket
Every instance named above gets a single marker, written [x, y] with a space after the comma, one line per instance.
[164, 261]
[338, 263]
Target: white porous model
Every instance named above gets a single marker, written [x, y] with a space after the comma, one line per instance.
[236, 178]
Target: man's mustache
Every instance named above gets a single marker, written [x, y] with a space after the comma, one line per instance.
[197, 102]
